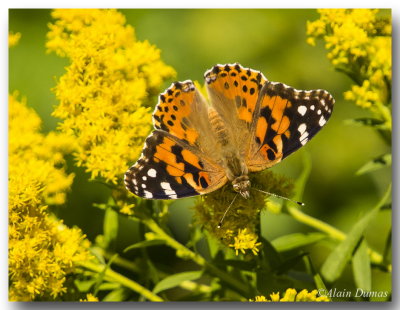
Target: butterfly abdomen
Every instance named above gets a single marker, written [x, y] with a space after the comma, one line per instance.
[218, 127]
[231, 159]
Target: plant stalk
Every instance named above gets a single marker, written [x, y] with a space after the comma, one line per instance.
[115, 276]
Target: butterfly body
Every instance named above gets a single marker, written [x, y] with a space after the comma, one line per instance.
[230, 157]
[247, 125]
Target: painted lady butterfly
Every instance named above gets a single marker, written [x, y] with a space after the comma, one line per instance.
[249, 124]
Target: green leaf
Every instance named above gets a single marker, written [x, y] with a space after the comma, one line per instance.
[84, 286]
[296, 240]
[365, 121]
[120, 294]
[301, 181]
[336, 261]
[195, 236]
[319, 283]
[213, 244]
[289, 263]
[362, 267]
[145, 243]
[387, 252]
[375, 164]
[100, 275]
[271, 259]
[176, 279]
[110, 227]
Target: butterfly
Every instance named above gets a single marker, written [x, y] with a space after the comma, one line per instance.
[248, 124]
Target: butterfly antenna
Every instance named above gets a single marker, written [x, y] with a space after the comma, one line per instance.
[226, 211]
[278, 196]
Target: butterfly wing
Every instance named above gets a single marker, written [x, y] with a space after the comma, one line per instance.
[233, 91]
[177, 159]
[183, 112]
[169, 168]
[286, 120]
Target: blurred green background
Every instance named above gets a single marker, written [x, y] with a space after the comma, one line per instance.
[192, 41]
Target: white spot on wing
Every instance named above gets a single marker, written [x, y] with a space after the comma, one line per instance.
[312, 107]
[322, 121]
[144, 178]
[304, 141]
[147, 194]
[302, 110]
[165, 185]
[302, 128]
[152, 173]
[168, 190]
[319, 112]
[304, 135]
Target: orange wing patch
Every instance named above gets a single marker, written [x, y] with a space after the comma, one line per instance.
[182, 164]
[240, 86]
[174, 110]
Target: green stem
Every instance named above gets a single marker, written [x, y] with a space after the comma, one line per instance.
[316, 223]
[180, 248]
[385, 113]
[127, 264]
[116, 277]
[120, 261]
[184, 252]
[330, 231]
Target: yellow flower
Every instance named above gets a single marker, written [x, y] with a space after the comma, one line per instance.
[260, 298]
[127, 209]
[30, 151]
[13, 38]
[90, 298]
[359, 44]
[42, 251]
[107, 91]
[292, 295]
[246, 240]
[243, 214]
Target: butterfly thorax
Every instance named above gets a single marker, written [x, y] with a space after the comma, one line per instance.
[231, 159]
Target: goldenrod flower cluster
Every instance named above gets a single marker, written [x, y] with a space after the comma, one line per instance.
[291, 295]
[90, 298]
[106, 92]
[238, 229]
[34, 156]
[359, 44]
[42, 251]
[246, 240]
[13, 38]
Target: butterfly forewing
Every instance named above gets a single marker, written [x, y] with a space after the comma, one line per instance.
[233, 91]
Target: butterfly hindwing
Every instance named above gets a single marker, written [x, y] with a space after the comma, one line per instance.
[287, 119]
[169, 168]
